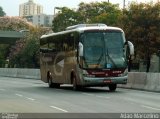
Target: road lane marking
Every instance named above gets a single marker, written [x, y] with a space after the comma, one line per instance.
[153, 108]
[58, 108]
[88, 94]
[95, 95]
[102, 97]
[19, 95]
[30, 99]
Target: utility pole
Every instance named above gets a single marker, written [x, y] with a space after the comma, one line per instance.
[108, 0]
[124, 4]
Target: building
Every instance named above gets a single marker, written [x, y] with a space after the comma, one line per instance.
[34, 13]
[40, 20]
[30, 8]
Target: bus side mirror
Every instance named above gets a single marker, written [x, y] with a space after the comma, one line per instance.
[131, 48]
[80, 45]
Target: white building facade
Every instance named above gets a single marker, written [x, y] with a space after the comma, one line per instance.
[34, 13]
[30, 8]
[40, 20]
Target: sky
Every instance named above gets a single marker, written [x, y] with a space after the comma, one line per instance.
[11, 7]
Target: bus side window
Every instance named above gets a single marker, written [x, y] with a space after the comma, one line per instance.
[44, 48]
[52, 47]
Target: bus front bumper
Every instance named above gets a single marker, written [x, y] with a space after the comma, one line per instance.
[96, 81]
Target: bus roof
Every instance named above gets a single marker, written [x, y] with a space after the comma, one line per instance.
[81, 28]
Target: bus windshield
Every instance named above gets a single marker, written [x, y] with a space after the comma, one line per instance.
[103, 49]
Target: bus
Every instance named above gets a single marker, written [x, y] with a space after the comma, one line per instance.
[85, 55]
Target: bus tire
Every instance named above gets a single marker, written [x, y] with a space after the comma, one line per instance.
[50, 83]
[112, 87]
[56, 85]
[75, 86]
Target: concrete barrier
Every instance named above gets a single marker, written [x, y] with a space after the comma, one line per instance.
[153, 82]
[136, 80]
[143, 81]
[139, 80]
[20, 73]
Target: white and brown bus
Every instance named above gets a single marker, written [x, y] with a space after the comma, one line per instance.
[85, 55]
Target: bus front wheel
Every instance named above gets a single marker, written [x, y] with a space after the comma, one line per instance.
[112, 87]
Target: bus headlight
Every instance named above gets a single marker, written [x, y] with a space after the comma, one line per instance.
[124, 73]
[86, 74]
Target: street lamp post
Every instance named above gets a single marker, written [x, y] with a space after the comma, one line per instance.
[55, 9]
[124, 4]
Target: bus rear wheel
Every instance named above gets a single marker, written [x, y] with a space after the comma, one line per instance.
[56, 85]
[50, 84]
[75, 86]
[53, 85]
[112, 87]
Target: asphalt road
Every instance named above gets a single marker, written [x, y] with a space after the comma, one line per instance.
[33, 96]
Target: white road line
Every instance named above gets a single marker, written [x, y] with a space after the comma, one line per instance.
[19, 95]
[35, 85]
[30, 99]
[25, 97]
[88, 94]
[153, 108]
[102, 97]
[95, 95]
[58, 108]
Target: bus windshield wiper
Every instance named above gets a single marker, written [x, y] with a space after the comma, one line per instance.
[111, 58]
[100, 59]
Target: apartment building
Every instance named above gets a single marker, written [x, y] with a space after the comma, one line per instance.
[30, 8]
[33, 12]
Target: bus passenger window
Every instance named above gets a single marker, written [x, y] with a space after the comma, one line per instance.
[52, 47]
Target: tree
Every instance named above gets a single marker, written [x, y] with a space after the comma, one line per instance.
[4, 49]
[2, 13]
[26, 58]
[25, 54]
[12, 24]
[100, 12]
[141, 23]
[66, 17]
[94, 12]
[25, 51]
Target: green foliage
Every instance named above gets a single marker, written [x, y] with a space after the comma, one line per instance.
[99, 12]
[2, 13]
[12, 24]
[94, 12]
[141, 23]
[3, 53]
[67, 17]
[25, 52]
[28, 56]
